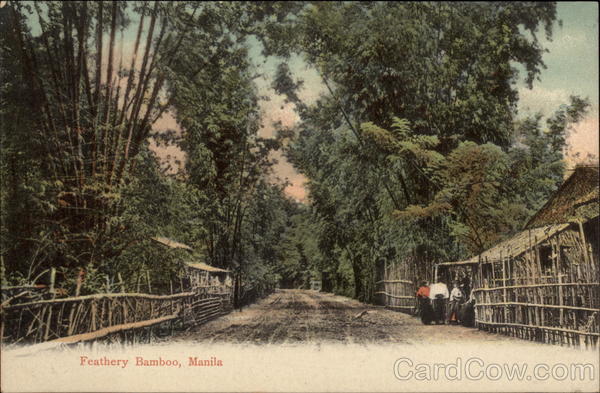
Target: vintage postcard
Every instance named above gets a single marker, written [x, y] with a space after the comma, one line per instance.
[299, 196]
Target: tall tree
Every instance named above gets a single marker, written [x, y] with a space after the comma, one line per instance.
[448, 70]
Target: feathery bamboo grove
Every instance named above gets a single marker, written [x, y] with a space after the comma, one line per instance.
[95, 103]
[88, 88]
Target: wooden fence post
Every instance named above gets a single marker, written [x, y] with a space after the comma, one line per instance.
[586, 256]
[504, 300]
[52, 281]
[172, 309]
[149, 283]
[560, 280]
[80, 278]
[121, 283]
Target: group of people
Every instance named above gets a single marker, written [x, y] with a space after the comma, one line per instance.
[436, 304]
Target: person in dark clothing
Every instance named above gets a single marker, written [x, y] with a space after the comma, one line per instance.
[438, 293]
[466, 313]
[424, 309]
[422, 293]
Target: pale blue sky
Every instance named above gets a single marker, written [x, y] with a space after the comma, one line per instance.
[572, 69]
[572, 61]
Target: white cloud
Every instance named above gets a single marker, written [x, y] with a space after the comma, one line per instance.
[583, 141]
[567, 41]
[540, 99]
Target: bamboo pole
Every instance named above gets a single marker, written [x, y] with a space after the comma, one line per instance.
[49, 324]
[564, 307]
[586, 257]
[539, 317]
[121, 283]
[72, 317]
[98, 297]
[94, 310]
[39, 332]
[102, 313]
[575, 284]
[72, 310]
[559, 279]
[394, 281]
[172, 306]
[504, 284]
[52, 281]
[109, 304]
[548, 328]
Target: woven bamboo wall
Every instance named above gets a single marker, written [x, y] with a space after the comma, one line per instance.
[397, 289]
[550, 293]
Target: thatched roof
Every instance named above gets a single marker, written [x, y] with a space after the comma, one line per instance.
[575, 199]
[569, 202]
[171, 243]
[206, 268]
[515, 246]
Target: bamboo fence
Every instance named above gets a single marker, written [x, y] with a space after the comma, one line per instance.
[549, 293]
[91, 317]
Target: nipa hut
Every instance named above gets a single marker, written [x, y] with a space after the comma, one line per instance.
[209, 279]
[543, 283]
[198, 276]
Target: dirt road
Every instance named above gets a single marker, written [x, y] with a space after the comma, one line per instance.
[289, 316]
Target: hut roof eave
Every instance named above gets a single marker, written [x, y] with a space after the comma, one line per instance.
[513, 247]
[205, 267]
[171, 243]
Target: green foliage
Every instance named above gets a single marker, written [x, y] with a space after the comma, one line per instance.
[415, 154]
[444, 67]
[488, 193]
[81, 187]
